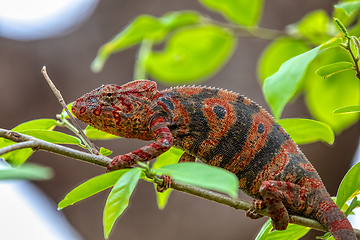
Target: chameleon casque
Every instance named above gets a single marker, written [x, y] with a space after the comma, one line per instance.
[223, 129]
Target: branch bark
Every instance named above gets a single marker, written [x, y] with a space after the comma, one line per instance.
[103, 161]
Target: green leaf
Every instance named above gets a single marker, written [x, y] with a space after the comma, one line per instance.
[18, 157]
[323, 96]
[53, 136]
[171, 156]
[349, 7]
[41, 124]
[191, 54]
[105, 152]
[91, 187]
[118, 198]
[264, 231]
[349, 186]
[242, 12]
[26, 172]
[348, 109]
[203, 176]
[354, 204]
[293, 231]
[280, 87]
[328, 70]
[304, 131]
[314, 26]
[95, 134]
[143, 27]
[276, 53]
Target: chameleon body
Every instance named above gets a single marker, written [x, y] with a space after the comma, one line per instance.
[223, 129]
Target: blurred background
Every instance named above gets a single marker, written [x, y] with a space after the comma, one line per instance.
[66, 37]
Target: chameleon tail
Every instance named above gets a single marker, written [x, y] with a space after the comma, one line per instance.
[328, 213]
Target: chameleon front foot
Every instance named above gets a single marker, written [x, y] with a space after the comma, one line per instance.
[258, 204]
[165, 184]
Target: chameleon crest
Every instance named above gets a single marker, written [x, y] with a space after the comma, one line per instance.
[222, 129]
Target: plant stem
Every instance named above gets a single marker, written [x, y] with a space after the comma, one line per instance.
[258, 32]
[92, 148]
[144, 51]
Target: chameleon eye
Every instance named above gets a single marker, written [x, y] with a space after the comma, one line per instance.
[109, 94]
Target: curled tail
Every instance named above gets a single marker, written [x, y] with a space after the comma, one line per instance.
[328, 213]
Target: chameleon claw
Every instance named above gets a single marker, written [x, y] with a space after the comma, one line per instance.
[165, 185]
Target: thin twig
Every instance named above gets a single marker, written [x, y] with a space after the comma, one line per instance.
[55, 148]
[17, 146]
[258, 32]
[57, 93]
[203, 193]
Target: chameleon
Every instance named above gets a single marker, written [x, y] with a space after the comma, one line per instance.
[222, 129]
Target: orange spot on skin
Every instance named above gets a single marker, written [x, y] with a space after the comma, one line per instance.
[307, 167]
[189, 90]
[247, 101]
[311, 183]
[229, 96]
[216, 160]
[242, 183]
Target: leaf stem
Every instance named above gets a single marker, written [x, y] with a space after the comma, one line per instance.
[263, 33]
[144, 51]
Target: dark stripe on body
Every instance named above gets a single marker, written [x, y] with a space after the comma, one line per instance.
[255, 167]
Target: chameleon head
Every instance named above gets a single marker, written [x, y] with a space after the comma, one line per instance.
[120, 110]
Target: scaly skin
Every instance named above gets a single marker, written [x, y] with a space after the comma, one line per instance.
[220, 128]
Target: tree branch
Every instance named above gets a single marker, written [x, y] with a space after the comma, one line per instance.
[55, 148]
[17, 146]
[103, 161]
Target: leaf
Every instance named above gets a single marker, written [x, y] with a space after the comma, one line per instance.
[53, 136]
[95, 134]
[354, 204]
[304, 131]
[276, 53]
[105, 152]
[293, 231]
[15, 158]
[171, 156]
[349, 7]
[349, 186]
[91, 187]
[26, 172]
[323, 96]
[348, 109]
[191, 54]
[44, 124]
[328, 70]
[314, 26]
[264, 231]
[242, 12]
[118, 198]
[143, 27]
[203, 176]
[280, 87]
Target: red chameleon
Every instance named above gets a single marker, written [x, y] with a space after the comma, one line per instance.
[223, 129]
